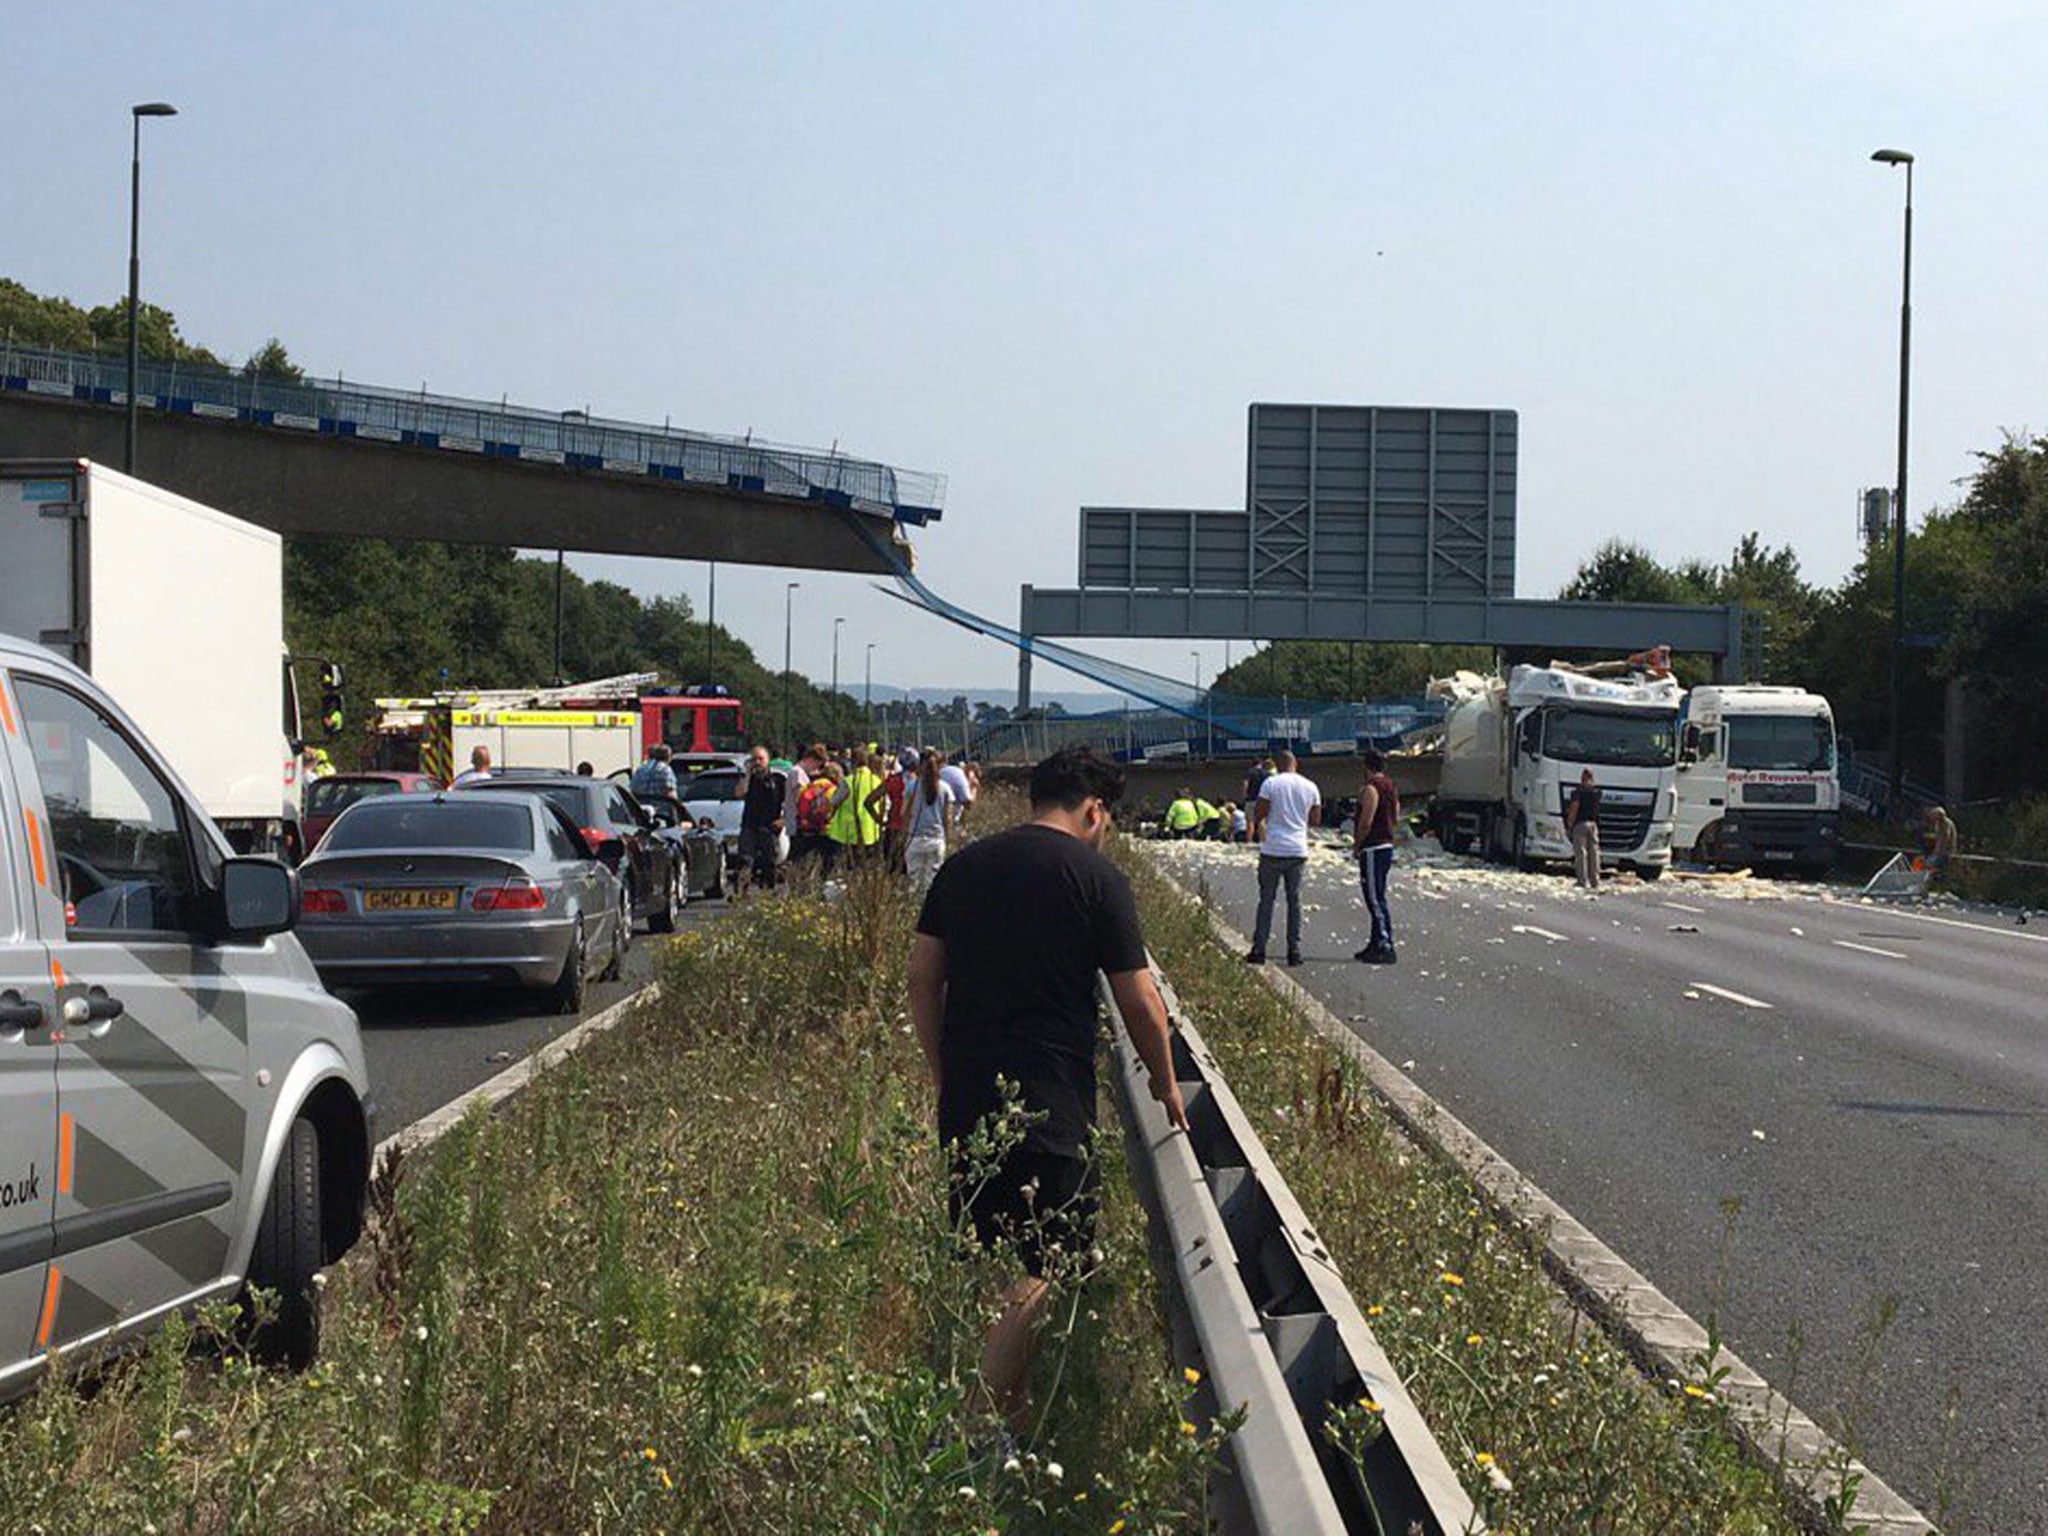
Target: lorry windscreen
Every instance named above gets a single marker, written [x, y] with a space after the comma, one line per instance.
[1781, 743]
[1611, 738]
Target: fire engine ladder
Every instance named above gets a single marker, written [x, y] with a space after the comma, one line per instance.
[626, 686]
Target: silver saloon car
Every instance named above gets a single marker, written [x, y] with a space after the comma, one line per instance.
[462, 888]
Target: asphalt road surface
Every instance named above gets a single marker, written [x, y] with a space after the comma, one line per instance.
[425, 1045]
[1870, 1082]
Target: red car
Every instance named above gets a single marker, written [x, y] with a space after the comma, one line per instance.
[327, 798]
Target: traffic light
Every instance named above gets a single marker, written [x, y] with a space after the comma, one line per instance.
[332, 703]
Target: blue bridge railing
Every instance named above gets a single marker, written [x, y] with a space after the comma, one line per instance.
[571, 439]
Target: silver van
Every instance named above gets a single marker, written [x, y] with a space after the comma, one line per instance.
[183, 1109]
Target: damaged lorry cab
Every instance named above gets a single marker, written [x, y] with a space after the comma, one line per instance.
[183, 1109]
[1514, 750]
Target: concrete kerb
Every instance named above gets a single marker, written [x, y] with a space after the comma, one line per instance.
[1662, 1337]
[431, 1127]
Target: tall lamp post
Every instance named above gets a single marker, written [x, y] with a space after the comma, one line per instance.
[1197, 655]
[1904, 158]
[869, 702]
[836, 623]
[136, 114]
[788, 598]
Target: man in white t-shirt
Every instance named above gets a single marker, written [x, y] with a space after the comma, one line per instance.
[1287, 806]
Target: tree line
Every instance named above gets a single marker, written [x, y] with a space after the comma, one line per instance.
[411, 618]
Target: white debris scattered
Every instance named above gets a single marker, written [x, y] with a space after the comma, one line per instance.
[1798, 933]
[1757, 1135]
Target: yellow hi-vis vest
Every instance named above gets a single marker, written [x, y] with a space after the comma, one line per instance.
[1181, 816]
[852, 824]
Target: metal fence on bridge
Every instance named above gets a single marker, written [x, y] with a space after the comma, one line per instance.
[1234, 727]
[573, 439]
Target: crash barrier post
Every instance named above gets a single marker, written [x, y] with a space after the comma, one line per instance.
[1281, 1339]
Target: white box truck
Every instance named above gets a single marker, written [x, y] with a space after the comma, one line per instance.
[1757, 780]
[1514, 748]
[178, 611]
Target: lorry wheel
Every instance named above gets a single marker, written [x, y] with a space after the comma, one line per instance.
[1649, 871]
[287, 1254]
[1522, 860]
[567, 992]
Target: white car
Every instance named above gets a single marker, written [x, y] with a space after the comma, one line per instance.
[183, 1109]
[718, 795]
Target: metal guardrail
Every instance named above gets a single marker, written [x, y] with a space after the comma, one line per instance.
[565, 439]
[1280, 1336]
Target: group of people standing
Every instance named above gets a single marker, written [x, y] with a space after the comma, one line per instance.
[1285, 805]
[861, 803]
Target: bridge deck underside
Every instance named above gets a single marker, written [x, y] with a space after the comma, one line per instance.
[330, 487]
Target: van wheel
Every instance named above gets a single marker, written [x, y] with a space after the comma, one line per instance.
[567, 992]
[287, 1253]
[1649, 871]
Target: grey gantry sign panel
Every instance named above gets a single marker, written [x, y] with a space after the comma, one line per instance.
[1381, 501]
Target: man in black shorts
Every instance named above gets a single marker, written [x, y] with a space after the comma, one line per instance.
[1002, 985]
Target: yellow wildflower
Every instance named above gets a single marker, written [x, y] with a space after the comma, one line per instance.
[1484, 1458]
[1186, 1428]
[1119, 1525]
[1374, 1310]
[1370, 1406]
[1694, 1391]
[649, 1455]
[1190, 1375]
[1451, 1279]
[1475, 1338]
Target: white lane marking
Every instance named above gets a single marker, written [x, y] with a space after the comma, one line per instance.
[1733, 997]
[1682, 907]
[436, 1123]
[1541, 933]
[1950, 922]
[1869, 949]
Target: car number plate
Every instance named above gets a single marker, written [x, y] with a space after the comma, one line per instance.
[412, 898]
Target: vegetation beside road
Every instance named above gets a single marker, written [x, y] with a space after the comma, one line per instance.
[696, 1278]
[1548, 1421]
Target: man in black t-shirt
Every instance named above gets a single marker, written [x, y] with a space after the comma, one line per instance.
[1582, 824]
[1002, 985]
[760, 821]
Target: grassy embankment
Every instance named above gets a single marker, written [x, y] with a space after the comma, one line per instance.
[1553, 1428]
[697, 1278]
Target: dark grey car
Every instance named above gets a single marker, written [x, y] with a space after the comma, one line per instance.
[497, 888]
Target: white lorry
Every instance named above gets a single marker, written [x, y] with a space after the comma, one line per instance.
[1514, 749]
[1757, 781]
[177, 610]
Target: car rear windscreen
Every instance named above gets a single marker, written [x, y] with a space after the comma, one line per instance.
[573, 796]
[402, 822]
[330, 797]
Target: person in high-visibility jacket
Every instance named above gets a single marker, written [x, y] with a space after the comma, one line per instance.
[1208, 820]
[1183, 816]
[854, 827]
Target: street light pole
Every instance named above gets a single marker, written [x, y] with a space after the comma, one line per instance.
[1904, 158]
[1197, 655]
[788, 599]
[136, 114]
[869, 702]
[835, 657]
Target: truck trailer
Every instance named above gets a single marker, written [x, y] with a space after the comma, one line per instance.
[1513, 750]
[176, 609]
[1757, 779]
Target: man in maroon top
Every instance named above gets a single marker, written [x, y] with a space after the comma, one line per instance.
[1372, 840]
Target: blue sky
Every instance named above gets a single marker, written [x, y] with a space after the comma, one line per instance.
[1054, 251]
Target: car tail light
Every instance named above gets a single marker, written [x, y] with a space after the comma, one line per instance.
[512, 896]
[322, 903]
[597, 837]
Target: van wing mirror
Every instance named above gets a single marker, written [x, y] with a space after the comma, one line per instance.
[258, 897]
[1689, 745]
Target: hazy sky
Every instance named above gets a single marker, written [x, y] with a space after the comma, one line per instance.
[1054, 251]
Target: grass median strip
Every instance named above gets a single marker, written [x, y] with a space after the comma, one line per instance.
[1550, 1424]
[696, 1277]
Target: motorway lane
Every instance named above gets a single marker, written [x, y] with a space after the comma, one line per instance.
[1882, 1120]
[428, 1044]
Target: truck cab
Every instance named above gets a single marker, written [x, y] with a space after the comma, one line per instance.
[1625, 732]
[1757, 779]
